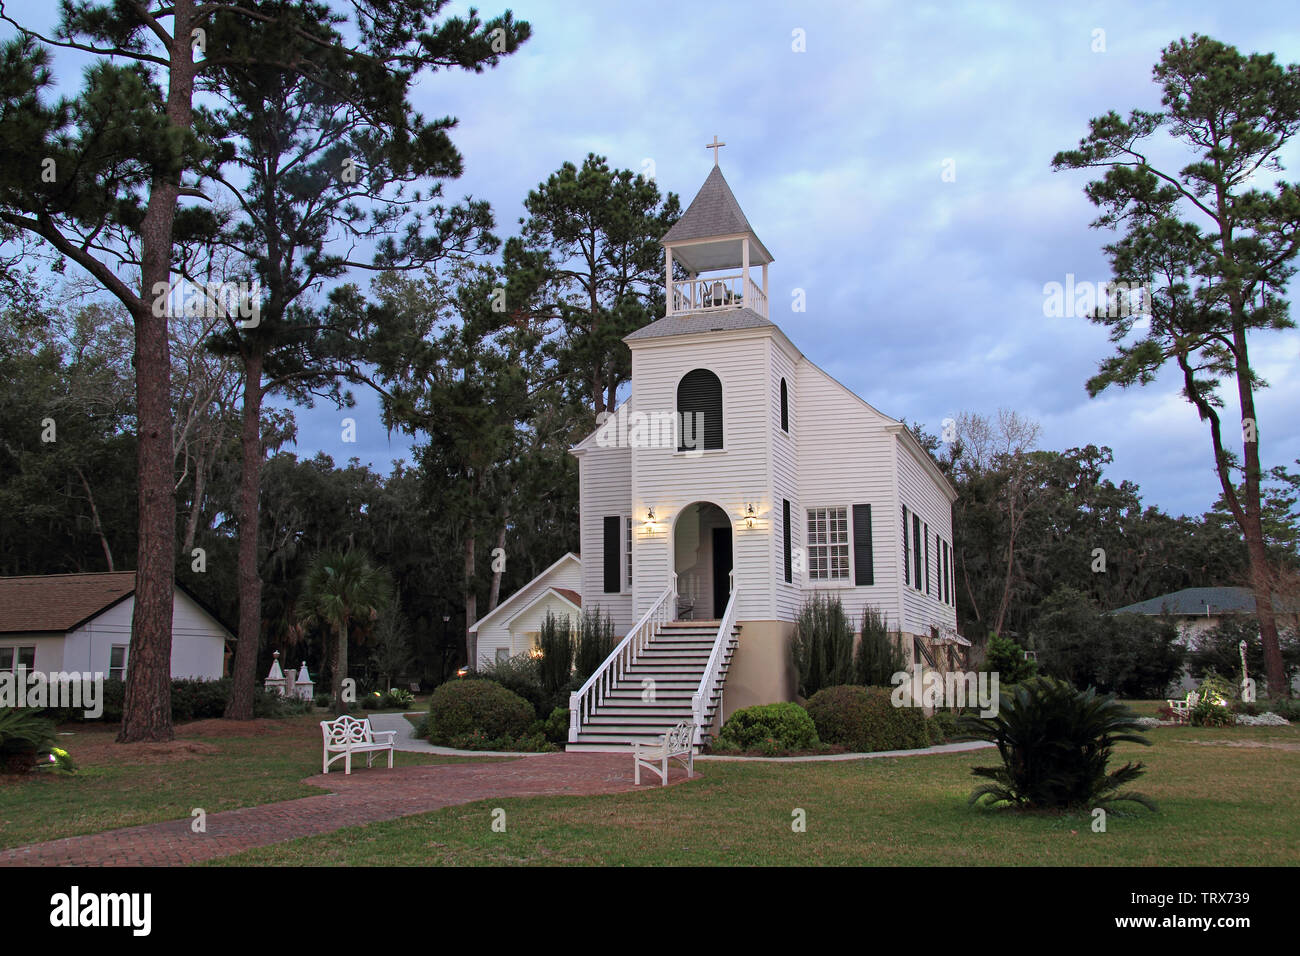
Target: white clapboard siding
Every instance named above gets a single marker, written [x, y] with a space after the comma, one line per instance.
[492, 628]
[921, 492]
[510, 633]
[198, 640]
[605, 488]
[731, 478]
[784, 360]
[846, 457]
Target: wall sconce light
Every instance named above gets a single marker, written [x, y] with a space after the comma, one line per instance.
[649, 516]
[749, 516]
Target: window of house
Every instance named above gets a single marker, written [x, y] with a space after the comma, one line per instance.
[828, 544]
[14, 657]
[927, 558]
[628, 533]
[117, 662]
[785, 407]
[785, 532]
[699, 410]
[907, 552]
[503, 654]
[916, 551]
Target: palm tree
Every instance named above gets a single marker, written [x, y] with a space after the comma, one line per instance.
[341, 587]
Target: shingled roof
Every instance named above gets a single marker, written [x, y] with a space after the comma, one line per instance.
[59, 602]
[1194, 601]
[715, 212]
[728, 320]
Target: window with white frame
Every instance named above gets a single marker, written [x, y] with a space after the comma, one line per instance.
[628, 549]
[117, 662]
[13, 657]
[828, 544]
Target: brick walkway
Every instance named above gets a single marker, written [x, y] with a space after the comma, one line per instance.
[365, 797]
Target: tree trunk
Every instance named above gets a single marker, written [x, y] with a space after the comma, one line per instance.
[147, 707]
[494, 593]
[341, 665]
[471, 605]
[202, 464]
[244, 677]
[94, 519]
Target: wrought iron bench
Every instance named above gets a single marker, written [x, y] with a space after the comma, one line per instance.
[678, 744]
[346, 735]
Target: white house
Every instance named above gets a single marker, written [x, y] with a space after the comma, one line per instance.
[82, 622]
[736, 480]
[512, 627]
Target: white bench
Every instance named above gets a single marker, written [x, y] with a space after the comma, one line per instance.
[678, 744]
[1183, 708]
[345, 736]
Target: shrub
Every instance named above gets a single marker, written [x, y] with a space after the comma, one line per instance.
[556, 726]
[25, 738]
[1213, 707]
[398, 697]
[522, 674]
[467, 706]
[822, 646]
[1006, 658]
[555, 641]
[1218, 650]
[879, 656]
[943, 726]
[1055, 742]
[774, 727]
[864, 719]
[524, 743]
[594, 642]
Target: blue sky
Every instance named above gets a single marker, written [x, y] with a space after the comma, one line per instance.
[924, 296]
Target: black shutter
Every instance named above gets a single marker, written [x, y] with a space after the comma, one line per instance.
[785, 531]
[907, 552]
[916, 551]
[947, 594]
[863, 572]
[785, 408]
[613, 562]
[700, 393]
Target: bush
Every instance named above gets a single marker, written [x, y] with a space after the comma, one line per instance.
[555, 641]
[821, 649]
[1055, 742]
[521, 674]
[25, 739]
[879, 655]
[1006, 658]
[1214, 699]
[864, 720]
[470, 706]
[556, 726]
[1218, 650]
[192, 699]
[770, 727]
[594, 642]
[943, 726]
[524, 743]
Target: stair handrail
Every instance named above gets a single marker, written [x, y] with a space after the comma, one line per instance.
[600, 683]
[725, 639]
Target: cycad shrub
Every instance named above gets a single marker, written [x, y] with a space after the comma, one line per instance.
[822, 645]
[25, 738]
[879, 656]
[1055, 743]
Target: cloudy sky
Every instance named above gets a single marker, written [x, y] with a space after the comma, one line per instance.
[924, 293]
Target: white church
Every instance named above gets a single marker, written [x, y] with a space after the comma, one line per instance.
[737, 480]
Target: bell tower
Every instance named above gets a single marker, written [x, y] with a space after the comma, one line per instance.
[715, 245]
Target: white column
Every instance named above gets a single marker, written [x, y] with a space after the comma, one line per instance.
[668, 278]
[744, 270]
[766, 301]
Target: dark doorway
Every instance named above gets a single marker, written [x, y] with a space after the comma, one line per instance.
[721, 570]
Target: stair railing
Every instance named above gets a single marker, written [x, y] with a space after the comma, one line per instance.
[593, 693]
[713, 670]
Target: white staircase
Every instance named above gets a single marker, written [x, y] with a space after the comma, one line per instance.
[657, 686]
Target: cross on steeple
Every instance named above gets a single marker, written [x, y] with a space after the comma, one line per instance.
[715, 146]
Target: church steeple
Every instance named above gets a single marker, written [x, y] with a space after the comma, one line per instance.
[713, 236]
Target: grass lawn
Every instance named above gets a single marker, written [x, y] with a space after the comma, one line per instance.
[213, 764]
[1226, 797]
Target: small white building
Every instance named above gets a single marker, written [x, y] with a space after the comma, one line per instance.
[737, 480]
[82, 622]
[513, 626]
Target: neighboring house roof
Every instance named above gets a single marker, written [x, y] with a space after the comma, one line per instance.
[60, 603]
[569, 596]
[1195, 601]
[715, 212]
[693, 323]
[515, 598]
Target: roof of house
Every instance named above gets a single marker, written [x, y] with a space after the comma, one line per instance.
[514, 598]
[692, 323]
[570, 595]
[1195, 601]
[59, 603]
[714, 212]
